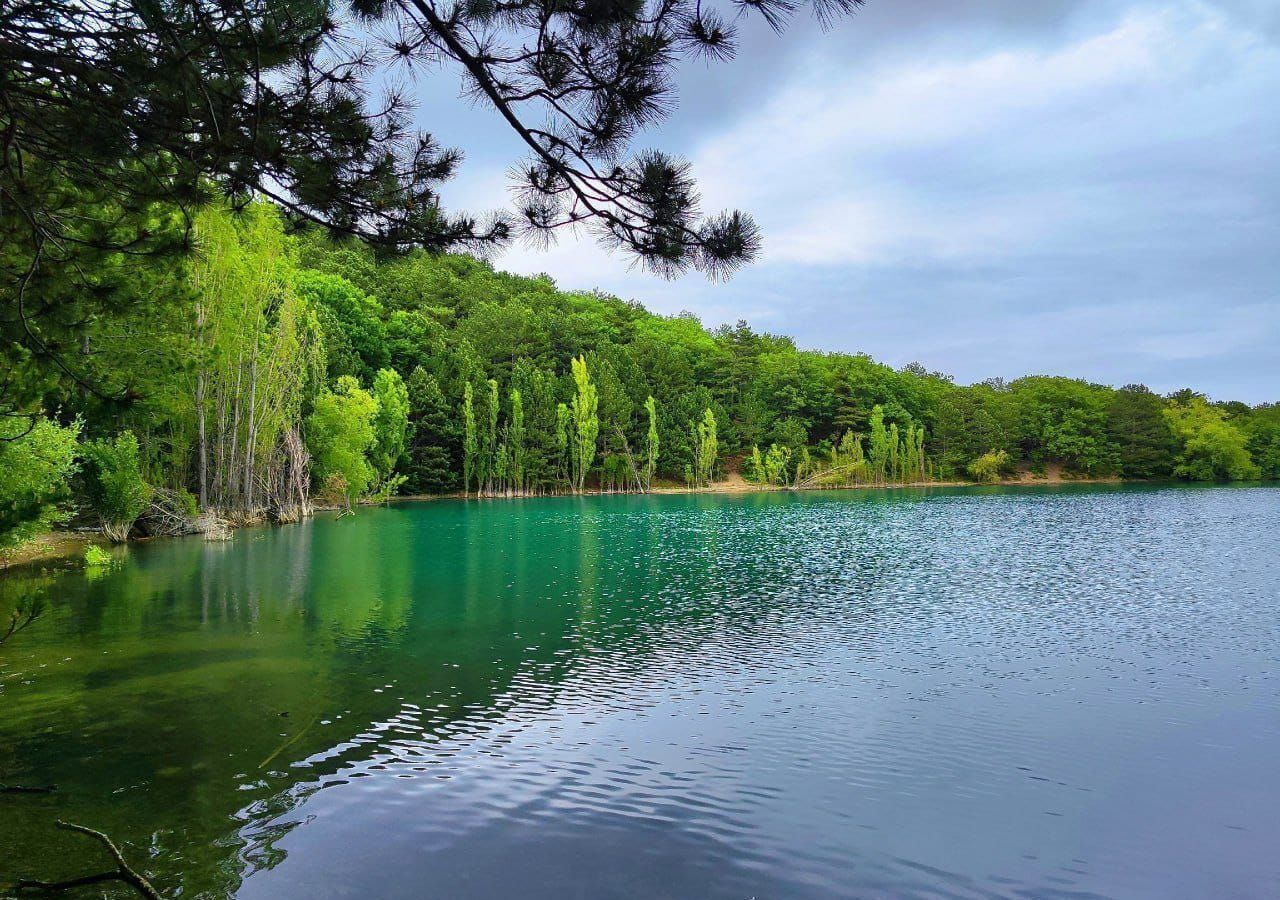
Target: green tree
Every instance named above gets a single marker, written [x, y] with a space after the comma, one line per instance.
[586, 423]
[1213, 449]
[391, 424]
[340, 434]
[707, 449]
[652, 442]
[37, 462]
[470, 442]
[516, 441]
[989, 467]
[434, 441]
[117, 491]
[1138, 428]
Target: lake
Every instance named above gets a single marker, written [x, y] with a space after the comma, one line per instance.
[1055, 692]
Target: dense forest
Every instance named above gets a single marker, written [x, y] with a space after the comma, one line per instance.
[274, 367]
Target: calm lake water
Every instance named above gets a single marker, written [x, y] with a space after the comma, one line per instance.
[1065, 692]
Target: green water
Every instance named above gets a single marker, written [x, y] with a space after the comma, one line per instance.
[941, 693]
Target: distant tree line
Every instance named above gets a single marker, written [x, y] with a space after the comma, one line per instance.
[272, 367]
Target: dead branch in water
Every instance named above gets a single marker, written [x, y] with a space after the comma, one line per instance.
[122, 872]
[20, 618]
[26, 789]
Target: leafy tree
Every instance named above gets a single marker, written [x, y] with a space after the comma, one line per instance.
[1212, 448]
[989, 467]
[652, 442]
[470, 442]
[586, 423]
[355, 336]
[707, 449]
[117, 491]
[37, 462]
[341, 433]
[391, 424]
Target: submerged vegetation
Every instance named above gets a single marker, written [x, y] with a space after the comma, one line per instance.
[275, 367]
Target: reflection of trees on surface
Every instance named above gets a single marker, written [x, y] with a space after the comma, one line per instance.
[188, 700]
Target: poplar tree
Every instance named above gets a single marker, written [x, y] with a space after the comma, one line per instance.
[651, 444]
[488, 458]
[564, 444]
[707, 448]
[878, 440]
[586, 422]
[469, 441]
[515, 438]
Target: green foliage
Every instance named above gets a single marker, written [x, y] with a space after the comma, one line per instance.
[37, 462]
[584, 414]
[116, 489]
[652, 442]
[1213, 449]
[470, 443]
[97, 558]
[340, 434]
[989, 467]
[390, 424]
[706, 449]
[1141, 434]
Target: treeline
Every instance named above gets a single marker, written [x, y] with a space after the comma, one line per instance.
[269, 368]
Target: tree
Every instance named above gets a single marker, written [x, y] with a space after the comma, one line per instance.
[117, 491]
[988, 467]
[878, 438]
[131, 110]
[586, 422]
[707, 449]
[1212, 448]
[433, 445]
[1138, 428]
[257, 350]
[340, 434]
[37, 462]
[515, 440]
[652, 442]
[391, 424]
[470, 443]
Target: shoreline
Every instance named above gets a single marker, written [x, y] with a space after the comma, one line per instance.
[62, 547]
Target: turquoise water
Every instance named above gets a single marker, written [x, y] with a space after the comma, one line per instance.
[1067, 692]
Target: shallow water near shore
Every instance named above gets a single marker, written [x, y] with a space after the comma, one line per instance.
[1046, 692]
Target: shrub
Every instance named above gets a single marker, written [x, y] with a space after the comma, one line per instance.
[36, 465]
[117, 490]
[97, 558]
[988, 467]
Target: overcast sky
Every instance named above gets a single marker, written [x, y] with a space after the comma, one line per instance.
[988, 187]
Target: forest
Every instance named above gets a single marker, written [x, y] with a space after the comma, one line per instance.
[276, 367]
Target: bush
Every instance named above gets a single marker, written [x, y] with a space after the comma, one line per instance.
[36, 465]
[117, 490]
[988, 467]
[97, 558]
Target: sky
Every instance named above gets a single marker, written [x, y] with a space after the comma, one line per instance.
[988, 187]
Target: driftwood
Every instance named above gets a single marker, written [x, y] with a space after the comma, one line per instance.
[122, 872]
[26, 789]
